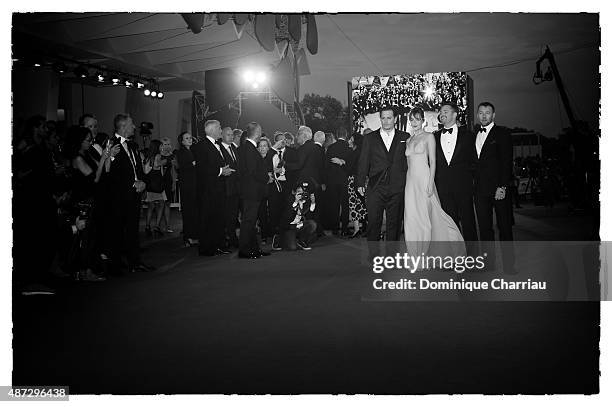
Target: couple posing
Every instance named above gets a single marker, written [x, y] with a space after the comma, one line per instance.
[437, 179]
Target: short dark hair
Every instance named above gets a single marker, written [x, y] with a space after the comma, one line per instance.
[342, 133]
[487, 104]
[451, 105]
[251, 127]
[416, 111]
[121, 117]
[74, 139]
[101, 138]
[85, 116]
[387, 109]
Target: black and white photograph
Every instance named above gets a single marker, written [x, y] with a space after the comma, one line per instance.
[306, 202]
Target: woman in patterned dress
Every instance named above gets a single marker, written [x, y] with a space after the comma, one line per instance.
[357, 207]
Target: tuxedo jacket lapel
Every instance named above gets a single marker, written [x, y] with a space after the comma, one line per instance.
[490, 139]
[458, 145]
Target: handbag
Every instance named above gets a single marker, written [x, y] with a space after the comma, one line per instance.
[154, 181]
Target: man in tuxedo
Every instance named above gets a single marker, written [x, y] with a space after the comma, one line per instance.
[254, 179]
[337, 167]
[383, 161]
[320, 192]
[455, 162]
[283, 182]
[494, 182]
[211, 171]
[232, 187]
[125, 187]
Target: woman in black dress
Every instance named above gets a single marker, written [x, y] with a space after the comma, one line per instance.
[187, 188]
[168, 163]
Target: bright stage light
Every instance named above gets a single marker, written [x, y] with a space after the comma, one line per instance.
[116, 81]
[139, 85]
[429, 92]
[261, 77]
[160, 95]
[153, 94]
[147, 92]
[248, 76]
[255, 85]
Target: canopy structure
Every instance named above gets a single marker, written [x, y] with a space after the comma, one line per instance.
[173, 49]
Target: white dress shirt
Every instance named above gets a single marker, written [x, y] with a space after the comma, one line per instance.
[481, 137]
[387, 137]
[228, 147]
[275, 160]
[448, 141]
[212, 140]
[123, 142]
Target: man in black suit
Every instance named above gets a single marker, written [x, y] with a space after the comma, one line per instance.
[254, 179]
[337, 172]
[383, 161]
[322, 210]
[283, 183]
[307, 165]
[211, 171]
[125, 187]
[232, 187]
[494, 181]
[455, 161]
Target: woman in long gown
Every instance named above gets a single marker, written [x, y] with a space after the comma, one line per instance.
[424, 219]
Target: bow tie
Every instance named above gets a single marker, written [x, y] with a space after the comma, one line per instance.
[449, 131]
[482, 130]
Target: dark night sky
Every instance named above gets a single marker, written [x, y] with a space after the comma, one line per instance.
[418, 43]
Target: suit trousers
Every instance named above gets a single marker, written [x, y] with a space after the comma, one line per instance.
[485, 205]
[124, 226]
[248, 236]
[338, 199]
[278, 201]
[459, 205]
[211, 216]
[379, 200]
[232, 204]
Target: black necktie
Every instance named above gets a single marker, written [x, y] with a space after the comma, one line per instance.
[449, 131]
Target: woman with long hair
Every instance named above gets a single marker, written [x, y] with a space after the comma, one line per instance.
[187, 188]
[264, 146]
[168, 164]
[156, 196]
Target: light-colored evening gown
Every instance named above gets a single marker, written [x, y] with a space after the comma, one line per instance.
[424, 219]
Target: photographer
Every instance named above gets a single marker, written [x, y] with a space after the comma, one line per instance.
[299, 227]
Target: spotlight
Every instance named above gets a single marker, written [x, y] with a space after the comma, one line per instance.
[139, 85]
[36, 64]
[147, 92]
[128, 84]
[248, 76]
[160, 95]
[100, 77]
[59, 67]
[115, 80]
[255, 85]
[261, 77]
[153, 94]
[81, 72]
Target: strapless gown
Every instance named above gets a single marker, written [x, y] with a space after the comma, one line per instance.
[424, 219]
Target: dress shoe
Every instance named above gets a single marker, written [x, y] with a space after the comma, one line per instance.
[141, 268]
[247, 256]
[221, 252]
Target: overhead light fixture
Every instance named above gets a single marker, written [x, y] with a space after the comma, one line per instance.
[153, 94]
[160, 95]
[261, 77]
[59, 67]
[36, 64]
[140, 85]
[129, 84]
[255, 85]
[100, 77]
[147, 92]
[81, 72]
[115, 79]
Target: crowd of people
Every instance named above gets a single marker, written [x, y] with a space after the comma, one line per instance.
[405, 91]
[79, 195]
